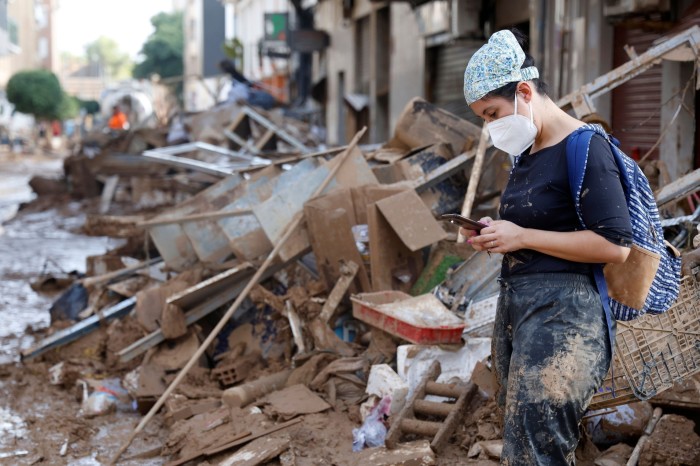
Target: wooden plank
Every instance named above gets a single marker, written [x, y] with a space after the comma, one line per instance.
[74, 332]
[474, 176]
[678, 189]
[117, 274]
[240, 441]
[348, 271]
[195, 217]
[194, 456]
[108, 193]
[296, 326]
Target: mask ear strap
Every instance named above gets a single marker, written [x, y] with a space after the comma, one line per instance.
[515, 112]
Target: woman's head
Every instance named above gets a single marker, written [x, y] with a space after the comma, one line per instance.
[496, 68]
[502, 83]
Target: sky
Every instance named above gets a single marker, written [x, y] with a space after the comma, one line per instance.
[79, 22]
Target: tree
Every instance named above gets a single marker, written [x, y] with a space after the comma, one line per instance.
[90, 106]
[105, 53]
[163, 50]
[36, 92]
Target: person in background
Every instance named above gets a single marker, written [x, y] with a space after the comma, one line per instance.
[244, 91]
[118, 120]
[551, 342]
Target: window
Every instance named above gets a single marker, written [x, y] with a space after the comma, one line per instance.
[13, 31]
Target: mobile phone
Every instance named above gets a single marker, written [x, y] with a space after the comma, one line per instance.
[464, 222]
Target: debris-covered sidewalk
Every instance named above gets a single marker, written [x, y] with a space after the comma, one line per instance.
[253, 297]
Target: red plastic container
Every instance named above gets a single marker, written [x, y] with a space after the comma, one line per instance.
[364, 308]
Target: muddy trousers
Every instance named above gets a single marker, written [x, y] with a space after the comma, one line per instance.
[550, 353]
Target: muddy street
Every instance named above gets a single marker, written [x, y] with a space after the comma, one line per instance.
[38, 421]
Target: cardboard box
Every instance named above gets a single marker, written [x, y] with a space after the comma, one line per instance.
[329, 221]
[400, 225]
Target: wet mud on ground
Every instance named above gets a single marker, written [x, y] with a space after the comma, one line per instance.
[38, 420]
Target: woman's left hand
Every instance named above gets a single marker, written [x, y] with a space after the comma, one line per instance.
[500, 236]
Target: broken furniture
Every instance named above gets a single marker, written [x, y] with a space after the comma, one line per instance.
[237, 160]
[245, 127]
[452, 413]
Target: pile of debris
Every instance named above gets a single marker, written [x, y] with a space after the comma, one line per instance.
[276, 300]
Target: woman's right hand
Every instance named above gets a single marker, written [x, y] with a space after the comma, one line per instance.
[470, 233]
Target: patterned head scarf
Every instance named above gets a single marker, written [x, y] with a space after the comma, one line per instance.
[494, 65]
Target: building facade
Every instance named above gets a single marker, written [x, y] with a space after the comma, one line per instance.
[21, 51]
[384, 53]
[204, 23]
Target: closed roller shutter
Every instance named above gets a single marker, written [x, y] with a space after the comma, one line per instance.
[448, 79]
[636, 112]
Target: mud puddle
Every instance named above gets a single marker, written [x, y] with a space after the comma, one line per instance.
[33, 243]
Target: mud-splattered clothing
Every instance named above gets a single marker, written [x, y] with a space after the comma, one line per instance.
[551, 348]
[550, 353]
[538, 196]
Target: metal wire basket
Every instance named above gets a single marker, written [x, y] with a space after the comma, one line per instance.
[655, 351]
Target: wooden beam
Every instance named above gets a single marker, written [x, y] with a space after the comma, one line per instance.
[348, 272]
[678, 189]
[195, 217]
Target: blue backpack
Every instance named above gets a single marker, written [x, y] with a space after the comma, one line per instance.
[647, 232]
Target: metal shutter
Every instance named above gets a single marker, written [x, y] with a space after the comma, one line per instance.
[636, 105]
[448, 83]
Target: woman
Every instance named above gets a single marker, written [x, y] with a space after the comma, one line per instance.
[551, 346]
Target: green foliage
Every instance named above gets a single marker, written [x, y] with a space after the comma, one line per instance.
[36, 92]
[105, 53]
[163, 50]
[90, 106]
[68, 108]
[233, 49]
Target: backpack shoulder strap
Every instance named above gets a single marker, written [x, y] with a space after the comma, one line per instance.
[576, 159]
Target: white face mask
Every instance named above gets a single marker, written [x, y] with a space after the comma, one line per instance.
[513, 133]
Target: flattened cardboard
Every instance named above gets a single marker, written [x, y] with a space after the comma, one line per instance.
[388, 255]
[399, 227]
[293, 401]
[411, 220]
[151, 302]
[332, 240]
